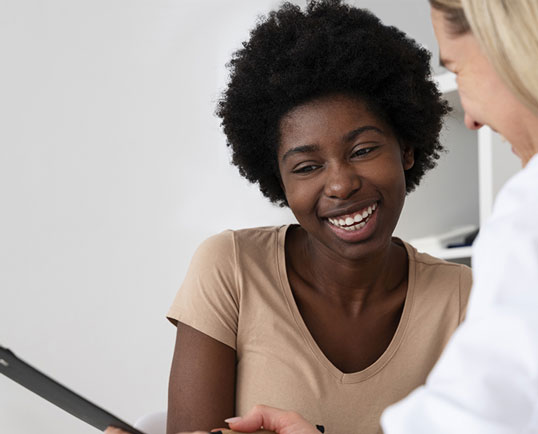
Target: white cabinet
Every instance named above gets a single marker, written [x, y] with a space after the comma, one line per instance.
[461, 190]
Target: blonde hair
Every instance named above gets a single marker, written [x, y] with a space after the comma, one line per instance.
[507, 30]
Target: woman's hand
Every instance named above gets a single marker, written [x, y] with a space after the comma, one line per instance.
[272, 419]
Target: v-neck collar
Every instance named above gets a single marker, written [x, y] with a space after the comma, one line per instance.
[375, 367]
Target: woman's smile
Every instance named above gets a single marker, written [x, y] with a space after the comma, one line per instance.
[355, 226]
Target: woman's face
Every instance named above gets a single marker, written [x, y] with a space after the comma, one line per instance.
[342, 172]
[484, 97]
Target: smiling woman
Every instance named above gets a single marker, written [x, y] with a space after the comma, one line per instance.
[334, 115]
[345, 181]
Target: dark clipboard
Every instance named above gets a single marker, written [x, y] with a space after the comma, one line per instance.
[39, 383]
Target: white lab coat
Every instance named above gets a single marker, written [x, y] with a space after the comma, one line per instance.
[486, 381]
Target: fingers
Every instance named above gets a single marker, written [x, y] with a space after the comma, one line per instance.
[272, 419]
[258, 417]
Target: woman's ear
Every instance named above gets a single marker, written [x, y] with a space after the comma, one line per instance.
[281, 183]
[408, 157]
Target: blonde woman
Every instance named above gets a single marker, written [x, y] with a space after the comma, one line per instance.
[487, 379]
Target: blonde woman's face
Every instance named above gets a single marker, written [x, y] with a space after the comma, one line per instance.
[484, 97]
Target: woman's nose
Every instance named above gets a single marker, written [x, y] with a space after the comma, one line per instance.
[471, 123]
[342, 182]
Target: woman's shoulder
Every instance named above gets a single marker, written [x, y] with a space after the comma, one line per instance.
[247, 241]
[439, 269]
[441, 278]
[244, 237]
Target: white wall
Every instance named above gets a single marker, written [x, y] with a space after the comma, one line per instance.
[112, 170]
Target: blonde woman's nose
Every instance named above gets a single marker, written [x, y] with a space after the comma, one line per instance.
[471, 123]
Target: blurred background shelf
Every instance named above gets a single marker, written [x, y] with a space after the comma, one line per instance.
[461, 190]
[446, 82]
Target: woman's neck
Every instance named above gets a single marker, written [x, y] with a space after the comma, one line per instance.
[350, 282]
[525, 141]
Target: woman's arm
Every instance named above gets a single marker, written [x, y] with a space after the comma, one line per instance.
[201, 392]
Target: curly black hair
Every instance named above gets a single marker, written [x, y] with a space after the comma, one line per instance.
[293, 57]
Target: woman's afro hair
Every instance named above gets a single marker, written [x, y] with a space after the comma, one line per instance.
[295, 56]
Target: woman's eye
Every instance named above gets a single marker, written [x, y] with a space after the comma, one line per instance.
[363, 151]
[305, 169]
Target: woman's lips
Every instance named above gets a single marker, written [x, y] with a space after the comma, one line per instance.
[356, 226]
[353, 220]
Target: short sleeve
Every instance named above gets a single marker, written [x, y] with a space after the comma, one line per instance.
[208, 299]
[466, 283]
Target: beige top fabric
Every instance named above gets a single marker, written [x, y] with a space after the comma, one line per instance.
[237, 291]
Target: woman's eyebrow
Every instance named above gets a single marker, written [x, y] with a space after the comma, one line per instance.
[299, 150]
[352, 135]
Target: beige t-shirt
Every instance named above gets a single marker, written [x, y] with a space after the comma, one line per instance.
[237, 291]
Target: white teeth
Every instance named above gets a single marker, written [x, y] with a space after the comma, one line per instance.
[356, 222]
[353, 227]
